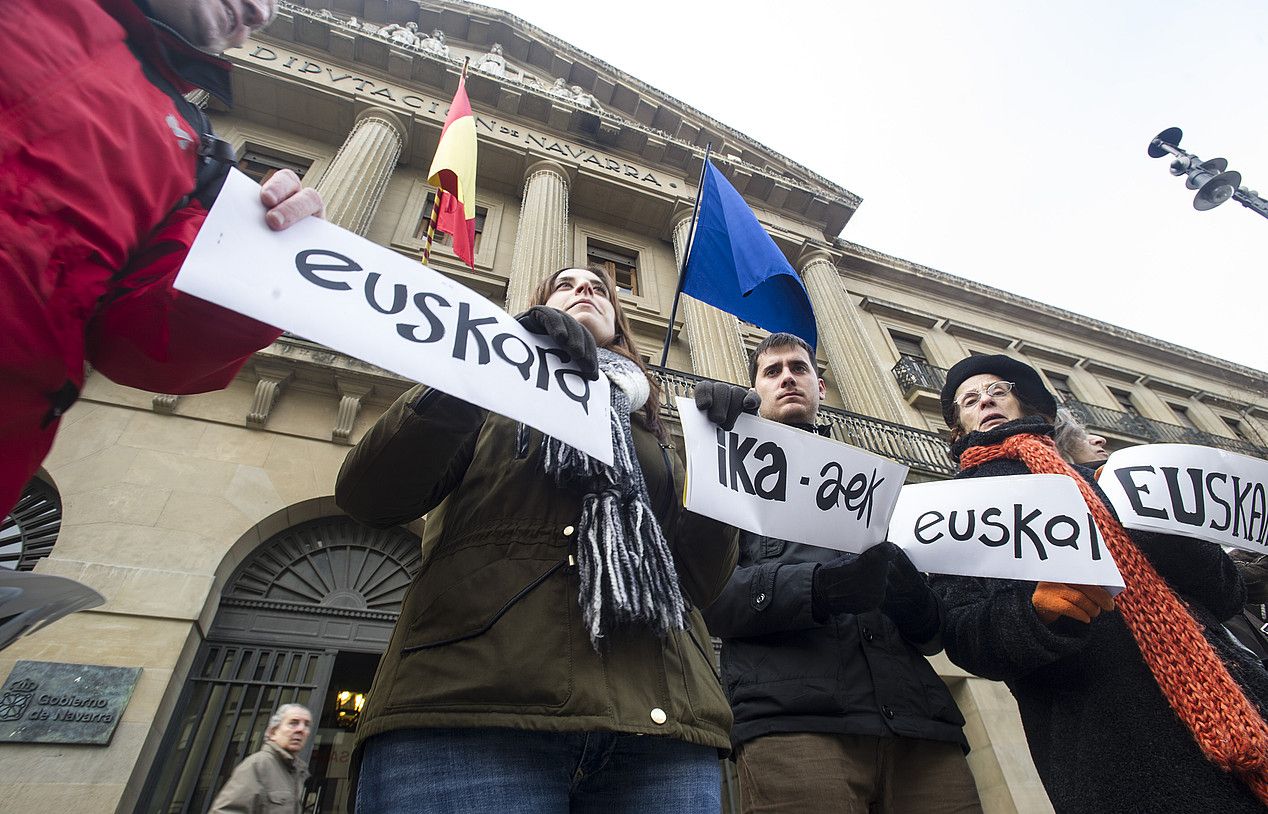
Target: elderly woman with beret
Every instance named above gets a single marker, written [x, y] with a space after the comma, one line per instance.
[1137, 703]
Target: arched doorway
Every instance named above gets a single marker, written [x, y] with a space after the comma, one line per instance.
[305, 617]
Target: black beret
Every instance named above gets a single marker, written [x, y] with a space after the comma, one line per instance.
[1029, 387]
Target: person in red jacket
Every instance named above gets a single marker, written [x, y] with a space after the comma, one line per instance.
[106, 175]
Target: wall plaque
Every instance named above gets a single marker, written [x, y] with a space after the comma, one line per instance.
[51, 702]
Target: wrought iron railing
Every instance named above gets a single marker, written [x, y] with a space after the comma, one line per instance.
[918, 449]
[1147, 429]
[914, 373]
[1096, 417]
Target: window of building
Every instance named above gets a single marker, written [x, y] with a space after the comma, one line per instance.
[620, 262]
[908, 345]
[1182, 415]
[260, 165]
[1061, 386]
[442, 238]
[1124, 400]
[1237, 428]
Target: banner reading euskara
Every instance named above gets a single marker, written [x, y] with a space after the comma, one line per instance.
[333, 287]
[1196, 491]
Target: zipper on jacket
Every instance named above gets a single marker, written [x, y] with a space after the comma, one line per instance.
[521, 440]
[568, 560]
[669, 476]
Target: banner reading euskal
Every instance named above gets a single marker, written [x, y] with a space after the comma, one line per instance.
[1195, 491]
[782, 482]
[1030, 527]
[333, 287]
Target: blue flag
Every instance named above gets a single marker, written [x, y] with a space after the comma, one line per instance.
[735, 266]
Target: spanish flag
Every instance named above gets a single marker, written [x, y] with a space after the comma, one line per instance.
[453, 173]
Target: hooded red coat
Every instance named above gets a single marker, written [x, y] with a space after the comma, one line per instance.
[102, 190]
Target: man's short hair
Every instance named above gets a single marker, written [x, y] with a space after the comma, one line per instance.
[778, 340]
[275, 720]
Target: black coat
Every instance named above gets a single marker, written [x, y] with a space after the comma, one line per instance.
[785, 672]
[1101, 733]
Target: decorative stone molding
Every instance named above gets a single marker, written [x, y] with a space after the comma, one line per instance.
[900, 313]
[350, 395]
[1215, 399]
[198, 98]
[165, 403]
[1046, 354]
[267, 389]
[973, 333]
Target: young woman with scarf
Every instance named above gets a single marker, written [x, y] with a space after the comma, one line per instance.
[550, 655]
[1138, 703]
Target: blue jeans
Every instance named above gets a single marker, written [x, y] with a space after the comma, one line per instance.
[512, 770]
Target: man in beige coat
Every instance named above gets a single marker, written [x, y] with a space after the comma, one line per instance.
[271, 781]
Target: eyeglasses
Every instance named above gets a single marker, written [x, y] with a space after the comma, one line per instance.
[995, 390]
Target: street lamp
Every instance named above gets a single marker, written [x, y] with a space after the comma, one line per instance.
[1213, 180]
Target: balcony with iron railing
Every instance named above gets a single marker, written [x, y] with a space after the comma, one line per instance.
[1103, 419]
[918, 378]
[921, 450]
[915, 376]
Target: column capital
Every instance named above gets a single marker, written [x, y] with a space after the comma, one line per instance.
[814, 254]
[545, 165]
[389, 118]
[681, 215]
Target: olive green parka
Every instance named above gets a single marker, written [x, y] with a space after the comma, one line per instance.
[490, 632]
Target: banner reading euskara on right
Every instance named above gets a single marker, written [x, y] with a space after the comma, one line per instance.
[1191, 490]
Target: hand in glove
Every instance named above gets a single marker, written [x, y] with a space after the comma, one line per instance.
[909, 602]
[1080, 602]
[567, 333]
[723, 402]
[851, 584]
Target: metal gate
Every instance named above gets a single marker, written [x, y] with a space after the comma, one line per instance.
[224, 713]
[303, 596]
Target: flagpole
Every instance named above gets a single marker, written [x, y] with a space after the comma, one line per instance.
[686, 256]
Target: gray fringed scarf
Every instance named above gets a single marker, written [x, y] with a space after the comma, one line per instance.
[627, 571]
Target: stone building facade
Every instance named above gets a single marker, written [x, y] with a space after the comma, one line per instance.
[207, 522]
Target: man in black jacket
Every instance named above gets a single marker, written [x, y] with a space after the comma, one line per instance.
[836, 708]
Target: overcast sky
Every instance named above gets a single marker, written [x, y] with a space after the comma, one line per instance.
[999, 141]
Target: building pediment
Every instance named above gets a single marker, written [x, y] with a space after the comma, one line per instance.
[526, 73]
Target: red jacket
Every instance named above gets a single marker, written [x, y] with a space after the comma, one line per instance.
[98, 207]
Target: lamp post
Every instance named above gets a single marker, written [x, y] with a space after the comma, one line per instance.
[1213, 180]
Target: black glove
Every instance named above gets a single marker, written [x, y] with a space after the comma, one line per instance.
[723, 402]
[909, 601]
[567, 333]
[850, 584]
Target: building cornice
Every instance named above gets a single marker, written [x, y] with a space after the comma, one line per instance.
[958, 289]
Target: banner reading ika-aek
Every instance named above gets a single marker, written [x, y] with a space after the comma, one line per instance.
[337, 288]
[782, 482]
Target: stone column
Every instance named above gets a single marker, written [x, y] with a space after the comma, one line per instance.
[866, 385]
[354, 183]
[713, 336]
[542, 241]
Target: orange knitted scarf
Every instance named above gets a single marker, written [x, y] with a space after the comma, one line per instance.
[1192, 677]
